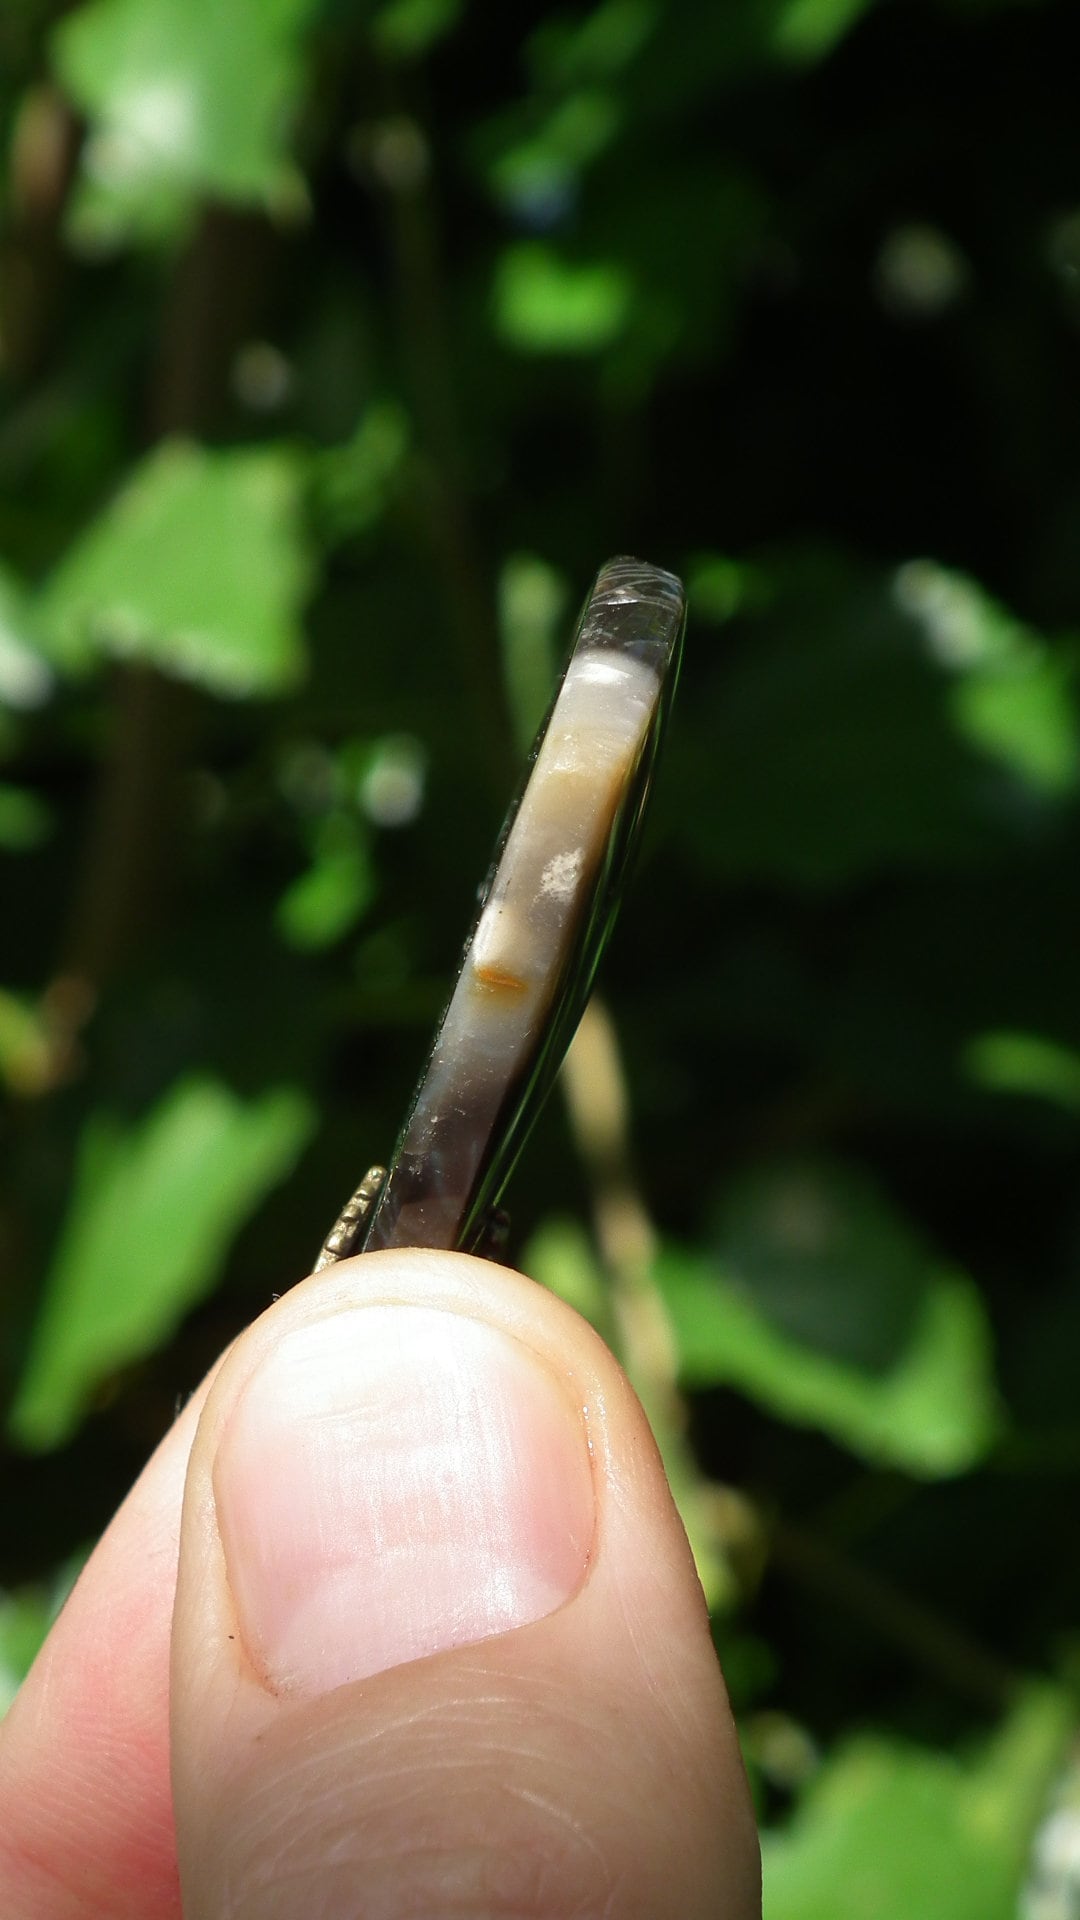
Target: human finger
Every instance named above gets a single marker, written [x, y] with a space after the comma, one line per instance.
[439, 1645]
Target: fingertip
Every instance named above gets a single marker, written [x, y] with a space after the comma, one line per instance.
[429, 1558]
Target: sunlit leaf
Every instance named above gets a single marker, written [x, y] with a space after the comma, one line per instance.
[1052, 1882]
[1027, 720]
[153, 1211]
[1013, 698]
[686, 274]
[808, 29]
[824, 1306]
[961, 626]
[406, 29]
[561, 1258]
[26, 678]
[1026, 1063]
[839, 736]
[388, 778]
[533, 598]
[198, 567]
[184, 97]
[889, 1830]
[325, 901]
[545, 303]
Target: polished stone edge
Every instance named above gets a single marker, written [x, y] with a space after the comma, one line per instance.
[635, 609]
[468, 1096]
[625, 579]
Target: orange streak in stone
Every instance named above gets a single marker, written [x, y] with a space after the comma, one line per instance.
[499, 980]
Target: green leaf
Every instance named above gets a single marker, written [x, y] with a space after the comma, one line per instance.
[352, 484]
[806, 30]
[857, 724]
[888, 1831]
[184, 97]
[718, 587]
[407, 29]
[198, 567]
[24, 820]
[329, 898]
[26, 678]
[153, 1212]
[672, 58]
[1025, 719]
[560, 1257]
[1013, 699]
[822, 1305]
[568, 49]
[547, 304]
[537, 171]
[1025, 1063]
[532, 598]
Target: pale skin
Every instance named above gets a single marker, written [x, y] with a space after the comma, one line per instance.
[548, 1740]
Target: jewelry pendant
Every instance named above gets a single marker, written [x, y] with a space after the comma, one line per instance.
[543, 920]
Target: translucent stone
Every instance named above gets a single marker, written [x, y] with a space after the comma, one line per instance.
[529, 963]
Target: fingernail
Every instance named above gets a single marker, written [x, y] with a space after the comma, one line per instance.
[394, 1481]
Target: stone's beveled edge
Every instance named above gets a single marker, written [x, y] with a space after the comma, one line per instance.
[626, 579]
[433, 1191]
[634, 608]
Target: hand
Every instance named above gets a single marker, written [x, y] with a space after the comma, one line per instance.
[437, 1648]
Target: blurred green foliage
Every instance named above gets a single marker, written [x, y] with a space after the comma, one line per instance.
[339, 344]
[172, 1189]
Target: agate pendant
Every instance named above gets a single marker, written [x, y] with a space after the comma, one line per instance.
[543, 920]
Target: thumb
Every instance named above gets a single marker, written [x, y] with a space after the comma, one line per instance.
[439, 1647]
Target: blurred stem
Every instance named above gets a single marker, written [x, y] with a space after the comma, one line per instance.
[130, 851]
[594, 1087]
[41, 165]
[131, 857]
[935, 1644]
[731, 1538]
[210, 307]
[400, 162]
